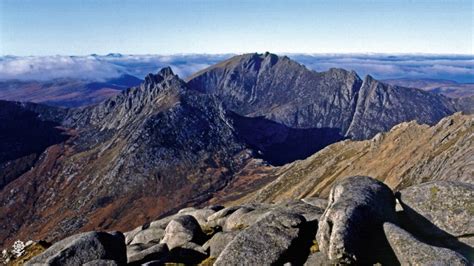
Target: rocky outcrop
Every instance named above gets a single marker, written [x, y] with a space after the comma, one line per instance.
[381, 106]
[182, 230]
[147, 235]
[441, 212]
[83, 248]
[448, 205]
[137, 254]
[265, 242]
[358, 220]
[411, 251]
[351, 227]
[218, 242]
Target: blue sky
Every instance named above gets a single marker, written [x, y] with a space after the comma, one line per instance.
[74, 27]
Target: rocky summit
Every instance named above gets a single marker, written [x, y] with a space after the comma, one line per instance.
[255, 161]
[363, 222]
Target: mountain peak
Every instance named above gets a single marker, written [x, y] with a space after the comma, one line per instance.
[165, 72]
[153, 79]
[369, 79]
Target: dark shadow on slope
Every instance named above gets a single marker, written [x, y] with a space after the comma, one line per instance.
[412, 221]
[279, 144]
[23, 137]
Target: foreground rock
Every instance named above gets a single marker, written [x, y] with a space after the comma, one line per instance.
[101, 263]
[442, 213]
[189, 254]
[352, 223]
[82, 248]
[218, 242]
[447, 205]
[148, 235]
[154, 252]
[264, 243]
[317, 259]
[360, 225]
[244, 217]
[182, 230]
[410, 251]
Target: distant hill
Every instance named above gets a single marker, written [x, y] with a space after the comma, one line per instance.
[65, 92]
[448, 88]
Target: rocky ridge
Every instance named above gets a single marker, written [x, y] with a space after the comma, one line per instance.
[286, 92]
[151, 143]
[441, 152]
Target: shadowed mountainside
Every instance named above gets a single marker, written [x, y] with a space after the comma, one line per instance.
[279, 144]
[23, 137]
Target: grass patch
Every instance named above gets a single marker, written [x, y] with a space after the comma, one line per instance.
[434, 192]
[315, 247]
[210, 231]
[240, 227]
[208, 262]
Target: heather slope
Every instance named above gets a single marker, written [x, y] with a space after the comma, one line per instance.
[408, 154]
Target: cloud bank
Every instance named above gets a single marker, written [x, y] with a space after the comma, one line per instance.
[459, 68]
[99, 68]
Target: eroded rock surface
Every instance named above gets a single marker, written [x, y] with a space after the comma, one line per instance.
[411, 251]
[359, 224]
[448, 205]
[265, 242]
[82, 248]
[182, 230]
[352, 223]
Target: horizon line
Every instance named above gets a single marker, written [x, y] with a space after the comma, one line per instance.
[234, 53]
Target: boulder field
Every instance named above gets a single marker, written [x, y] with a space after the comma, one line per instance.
[362, 222]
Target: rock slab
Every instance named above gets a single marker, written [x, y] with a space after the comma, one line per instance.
[83, 248]
[264, 242]
[352, 222]
[411, 251]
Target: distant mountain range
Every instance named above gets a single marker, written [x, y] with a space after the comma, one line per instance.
[169, 143]
[71, 81]
[65, 92]
[448, 88]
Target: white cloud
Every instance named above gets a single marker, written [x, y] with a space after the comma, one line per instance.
[93, 67]
[52, 67]
[455, 67]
